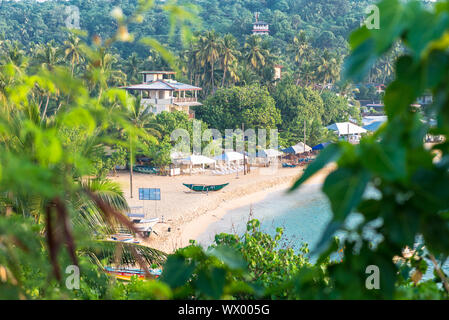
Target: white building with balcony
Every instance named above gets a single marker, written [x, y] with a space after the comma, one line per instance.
[161, 93]
[261, 28]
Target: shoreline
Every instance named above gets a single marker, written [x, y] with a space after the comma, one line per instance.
[193, 229]
[197, 227]
[187, 215]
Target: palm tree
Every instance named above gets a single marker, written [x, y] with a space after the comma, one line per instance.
[246, 75]
[233, 72]
[91, 205]
[328, 69]
[142, 118]
[73, 51]
[210, 47]
[386, 67]
[307, 73]
[228, 57]
[48, 55]
[101, 70]
[191, 62]
[132, 66]
[14, 55]
[255, 54]
[300, 48]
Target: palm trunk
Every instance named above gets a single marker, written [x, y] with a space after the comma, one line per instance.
[8, 206]
[322, 87]
[212, 77]
[224, 76]
[131, 169]
[44, 113]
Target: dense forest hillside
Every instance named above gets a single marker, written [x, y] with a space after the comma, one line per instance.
[327, 22]
[307, 37]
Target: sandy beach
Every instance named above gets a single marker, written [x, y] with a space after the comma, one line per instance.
[187, 214]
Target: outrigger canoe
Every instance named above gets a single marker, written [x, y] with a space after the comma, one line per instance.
[205, 188]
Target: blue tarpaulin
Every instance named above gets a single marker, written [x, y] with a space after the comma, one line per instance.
[321, 146]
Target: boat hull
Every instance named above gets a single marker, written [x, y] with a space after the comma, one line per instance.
[205, 188]
[127, 274]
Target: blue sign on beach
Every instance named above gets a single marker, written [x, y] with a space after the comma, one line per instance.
[149, 194]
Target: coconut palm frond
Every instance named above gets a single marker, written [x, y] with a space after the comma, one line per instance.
[108, 191]
[90, 216]
[107, 252]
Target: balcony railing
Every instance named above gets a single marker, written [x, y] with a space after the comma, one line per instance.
[156, 101]
[187, 99]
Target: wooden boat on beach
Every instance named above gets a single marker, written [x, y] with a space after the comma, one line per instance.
[145, 169]
[126, 274]
[205, 188]
[123, 237]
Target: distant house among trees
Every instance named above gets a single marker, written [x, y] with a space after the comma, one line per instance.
[159, 92]
[260, 27]
[278, 72]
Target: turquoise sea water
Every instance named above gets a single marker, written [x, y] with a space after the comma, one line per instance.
[303, 215]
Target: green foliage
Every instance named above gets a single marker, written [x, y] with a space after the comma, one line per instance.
[229, 108]
[58, 112]
[410, 180]
[229, 56]
[247, 267]
[106, 163]
[304, 106]
[337, 109]
[55, 127]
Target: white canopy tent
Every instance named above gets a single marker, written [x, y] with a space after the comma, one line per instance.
[300, 147]
[346, 128]
[198, 160]
[230, 156]
[269, 153]
[178, 156]
[194, 160]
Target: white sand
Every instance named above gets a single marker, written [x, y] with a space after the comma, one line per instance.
[189, 214]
